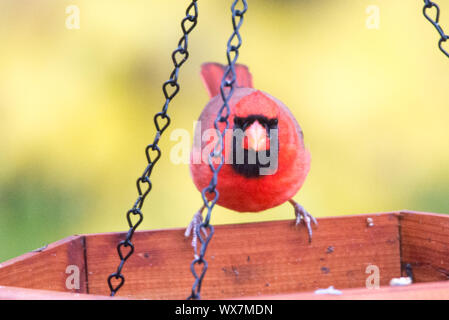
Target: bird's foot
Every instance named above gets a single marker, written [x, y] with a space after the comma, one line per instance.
[302, 215]
[191, 230]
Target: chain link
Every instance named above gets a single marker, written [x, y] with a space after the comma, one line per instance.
[226, 89]
[428, 5]
[153, 153]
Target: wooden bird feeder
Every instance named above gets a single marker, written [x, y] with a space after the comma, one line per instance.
[267, 260]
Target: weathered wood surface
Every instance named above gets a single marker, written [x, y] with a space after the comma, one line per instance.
[420, 291]
[425, 245]
[47, 269]
[256, 259]
[13, 293]
[251, 259]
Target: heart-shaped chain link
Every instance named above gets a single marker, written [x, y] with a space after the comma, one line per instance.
[216, 159]
[170, 89]
[434, 19]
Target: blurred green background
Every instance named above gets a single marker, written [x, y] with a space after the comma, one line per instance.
[76, 109]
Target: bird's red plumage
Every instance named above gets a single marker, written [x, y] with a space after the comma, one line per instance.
[253, 194]
[212, 74]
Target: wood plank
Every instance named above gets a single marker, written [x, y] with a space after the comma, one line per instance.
[420, 291]
[13, 293]
[425, 245]
[251, 259]
[47, 269]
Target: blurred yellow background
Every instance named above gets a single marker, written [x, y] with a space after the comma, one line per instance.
[76, 109]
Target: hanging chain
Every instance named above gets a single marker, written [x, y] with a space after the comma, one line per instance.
[216, 157]
[161, 121]
[428, 5]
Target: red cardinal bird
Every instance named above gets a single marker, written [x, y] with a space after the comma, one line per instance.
[246, 183]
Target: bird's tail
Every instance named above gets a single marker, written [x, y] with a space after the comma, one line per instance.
[212, 74]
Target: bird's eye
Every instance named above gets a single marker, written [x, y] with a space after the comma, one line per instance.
[272, 123]
[238, 121]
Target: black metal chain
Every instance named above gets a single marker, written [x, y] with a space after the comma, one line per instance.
[216, 156]
[170, 89]
[428, 5]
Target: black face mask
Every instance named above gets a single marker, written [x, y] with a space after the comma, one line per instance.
[250, 162]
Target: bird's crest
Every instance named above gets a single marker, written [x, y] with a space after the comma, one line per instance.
[212, 74]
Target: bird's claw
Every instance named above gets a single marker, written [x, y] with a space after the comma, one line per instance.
[191, 230]
[302, 215]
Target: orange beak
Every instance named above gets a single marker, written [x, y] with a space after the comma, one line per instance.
[256, 137]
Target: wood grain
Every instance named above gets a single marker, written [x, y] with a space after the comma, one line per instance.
[47, 269]
[268, 260]
[251, 259]
[425, 245]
